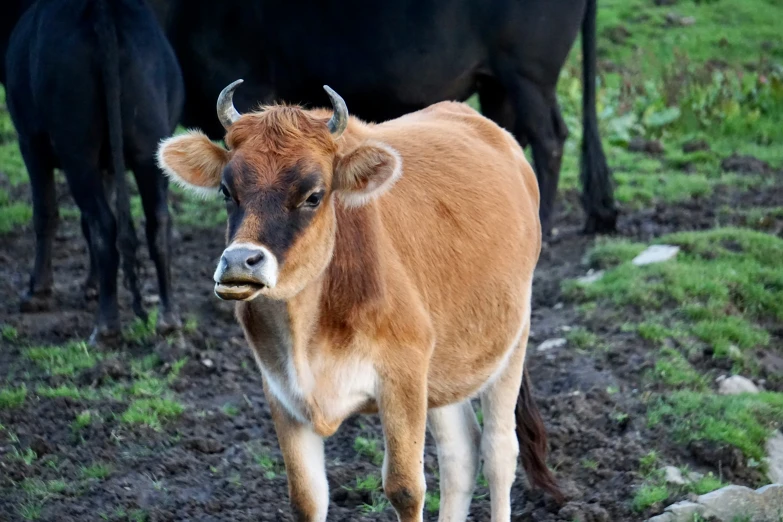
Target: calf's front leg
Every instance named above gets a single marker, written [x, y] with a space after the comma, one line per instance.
[403, 410]
[303, 454]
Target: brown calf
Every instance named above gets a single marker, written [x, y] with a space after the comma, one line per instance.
[361, 288]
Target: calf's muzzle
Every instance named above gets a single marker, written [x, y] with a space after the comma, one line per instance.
[244, 271]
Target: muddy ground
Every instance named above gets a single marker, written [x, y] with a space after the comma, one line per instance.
[205, 464]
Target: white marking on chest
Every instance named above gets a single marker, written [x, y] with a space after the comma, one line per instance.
[336, 387]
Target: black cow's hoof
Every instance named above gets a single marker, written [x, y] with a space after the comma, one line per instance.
[168, 322]
[105, 335]
[90, 291]
[38, 302]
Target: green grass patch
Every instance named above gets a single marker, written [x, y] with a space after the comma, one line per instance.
[368, 484]
[582, 338]
[721, 286]
[12, 397]
[142, 332]
[744, 421]
[369, 448]
[96, 471]
[676, 372]
[82, 420]
[14, 215]
[63, 360]
[648, 495]
[607, 253]
[68, 391]
[9, 333]
[150, 412]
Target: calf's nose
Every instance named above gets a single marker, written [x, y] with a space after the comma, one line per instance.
[242, 258]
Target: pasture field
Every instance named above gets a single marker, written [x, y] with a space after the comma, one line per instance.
[691, 109]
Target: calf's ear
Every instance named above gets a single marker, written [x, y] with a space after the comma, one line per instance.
[366, 172]
[193, 161]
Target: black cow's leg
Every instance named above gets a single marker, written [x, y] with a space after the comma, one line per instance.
[153, 187]
[91, 283]
[38, 160]
[496, 105]
[87, 189]
[539, 120]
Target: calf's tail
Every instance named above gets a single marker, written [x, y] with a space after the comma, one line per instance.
[110, 75]
[531, 434]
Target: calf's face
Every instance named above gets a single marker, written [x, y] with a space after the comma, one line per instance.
[281, 175]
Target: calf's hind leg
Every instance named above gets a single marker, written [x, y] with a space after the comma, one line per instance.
[499, 443]
[457, 435]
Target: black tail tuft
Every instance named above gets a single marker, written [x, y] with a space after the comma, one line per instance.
[597, 189]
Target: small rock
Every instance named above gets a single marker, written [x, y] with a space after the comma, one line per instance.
[775, 457]
[645, 145]
[551, 343]
[685, 510]
[565, 328]
[736, 384]
[558, 306]
[674, 476]
[151, 299]
[731, 502]
[687, 21]
[656, 254]
[572, 511]
[744, 164]
[205, 445]
[40, 446]
[208, 363]
[695, 145]
[591, 277]
[673, 19]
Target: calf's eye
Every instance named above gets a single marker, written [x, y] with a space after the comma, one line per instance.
[314, 199]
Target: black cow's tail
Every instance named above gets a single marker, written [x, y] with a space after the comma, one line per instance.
[597, 190]
[110, 74]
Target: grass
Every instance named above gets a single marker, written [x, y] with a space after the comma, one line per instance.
[142, 332]
[9, 333]
[96, 471]
[151, 412]
[369, 448]
[63, 360]
[366, 484]
[67, 391]
[82, 420]
[744, 421]
[582, 338]
[719, 289]
[432, 501]
[675, 371]
[648, 495]
[12, 397]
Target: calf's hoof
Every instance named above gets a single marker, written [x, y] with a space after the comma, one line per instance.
[36, 302]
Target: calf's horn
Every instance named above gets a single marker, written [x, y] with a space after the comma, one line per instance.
[227, 113]
[339, 120]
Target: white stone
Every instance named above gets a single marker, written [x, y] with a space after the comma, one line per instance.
[208, 363]
[736, 384]
[558, 306]
[591, 277]
[684, 511]
[673, 475]
[656, 254]
[775, 457]
[551, 343]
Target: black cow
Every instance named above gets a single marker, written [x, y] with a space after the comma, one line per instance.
[389, 58]
[93, 85]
